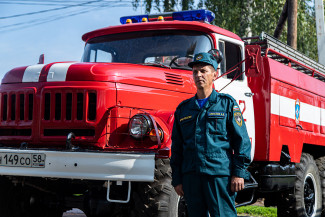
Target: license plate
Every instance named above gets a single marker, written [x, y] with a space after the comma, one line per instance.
[10, 159]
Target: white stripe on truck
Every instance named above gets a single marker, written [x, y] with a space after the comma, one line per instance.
[32, 73]
[285, 107]
[58, 72]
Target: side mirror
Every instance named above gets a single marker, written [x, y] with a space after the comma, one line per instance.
[253, 63]
[217, 54]
[41, 59]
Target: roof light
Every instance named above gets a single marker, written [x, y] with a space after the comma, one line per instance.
[135, 19]
[144, 20]
[194, 15]
[128, 21]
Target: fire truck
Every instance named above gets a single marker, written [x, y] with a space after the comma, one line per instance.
[96, 134]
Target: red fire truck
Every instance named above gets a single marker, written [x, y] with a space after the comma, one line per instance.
[96, 134]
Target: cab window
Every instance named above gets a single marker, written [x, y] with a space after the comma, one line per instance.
[232, 56]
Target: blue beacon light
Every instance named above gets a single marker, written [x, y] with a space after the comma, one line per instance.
[193, 15]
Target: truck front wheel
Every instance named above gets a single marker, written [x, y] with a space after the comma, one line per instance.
[158, 198]
[306, 201]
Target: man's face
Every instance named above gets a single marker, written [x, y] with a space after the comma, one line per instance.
[204, 75]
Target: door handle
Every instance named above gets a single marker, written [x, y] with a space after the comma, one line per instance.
[299, 126]
[249, 94]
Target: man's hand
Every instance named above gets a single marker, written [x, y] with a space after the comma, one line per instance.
[237, 184]
[179, 190]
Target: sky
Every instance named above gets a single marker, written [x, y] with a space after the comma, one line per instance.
[29, 28]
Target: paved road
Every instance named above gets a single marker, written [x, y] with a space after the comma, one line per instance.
[74, 213]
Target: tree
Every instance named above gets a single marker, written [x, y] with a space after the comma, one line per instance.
[255, 16]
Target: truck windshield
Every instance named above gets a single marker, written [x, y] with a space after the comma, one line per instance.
[171, 48]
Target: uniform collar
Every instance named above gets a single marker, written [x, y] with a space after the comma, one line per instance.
[212, 99]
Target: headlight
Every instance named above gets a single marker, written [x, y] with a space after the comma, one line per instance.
[139, 126]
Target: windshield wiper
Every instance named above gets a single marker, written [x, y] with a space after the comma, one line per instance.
[156, 64]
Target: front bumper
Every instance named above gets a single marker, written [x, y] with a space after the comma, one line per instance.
[88, 166]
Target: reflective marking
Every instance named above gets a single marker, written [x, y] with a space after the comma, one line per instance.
[322, 121]
[58, 72]
[32, 73]
[285, 107]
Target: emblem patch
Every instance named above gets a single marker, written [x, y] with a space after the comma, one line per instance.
[297, 111]
[199, 57]
[238, 118]
[236, 108]
[185, 118]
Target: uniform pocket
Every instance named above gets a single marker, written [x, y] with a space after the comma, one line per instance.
[217, 124]
[218, 163]
[187, 128]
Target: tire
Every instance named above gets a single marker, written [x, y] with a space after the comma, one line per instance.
[320, 162]
[306, 200]
[12, 202]
[158, 199]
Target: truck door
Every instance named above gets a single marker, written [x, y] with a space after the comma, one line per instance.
[233, 52]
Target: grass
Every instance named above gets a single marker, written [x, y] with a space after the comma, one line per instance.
[257, 211]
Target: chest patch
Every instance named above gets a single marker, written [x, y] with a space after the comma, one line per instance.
[238, 118]
[216, 114]
[185, 118]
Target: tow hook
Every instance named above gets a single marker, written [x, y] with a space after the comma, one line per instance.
[69, 145]
[24, 145]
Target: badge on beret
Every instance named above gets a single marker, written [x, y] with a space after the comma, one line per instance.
[238, 118]
[199, 57]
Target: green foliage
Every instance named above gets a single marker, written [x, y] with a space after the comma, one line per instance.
[258, 211]
[255, 16]
[306, 37]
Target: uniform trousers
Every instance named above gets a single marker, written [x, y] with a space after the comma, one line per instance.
[206, 194]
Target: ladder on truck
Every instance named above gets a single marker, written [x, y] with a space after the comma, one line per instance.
[281, 52]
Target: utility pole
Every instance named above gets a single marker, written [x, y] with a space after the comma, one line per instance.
[292, 23]
[319, 9]
[282, 20]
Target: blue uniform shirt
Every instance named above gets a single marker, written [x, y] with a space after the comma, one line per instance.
[211, 140]
[202, 102]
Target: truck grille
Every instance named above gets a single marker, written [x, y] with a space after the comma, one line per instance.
[70, 106]
[17, 106]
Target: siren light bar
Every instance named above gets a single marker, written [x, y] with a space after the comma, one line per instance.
[193, 15]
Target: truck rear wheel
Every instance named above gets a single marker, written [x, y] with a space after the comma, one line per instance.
[306, 201]
[158, 198]
[320, 162]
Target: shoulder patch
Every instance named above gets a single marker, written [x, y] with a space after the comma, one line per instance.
[236, 108]
[238, 118]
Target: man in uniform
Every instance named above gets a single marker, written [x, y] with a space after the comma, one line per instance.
[210, 146]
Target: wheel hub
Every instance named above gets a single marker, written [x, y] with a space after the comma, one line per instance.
[309, 195]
